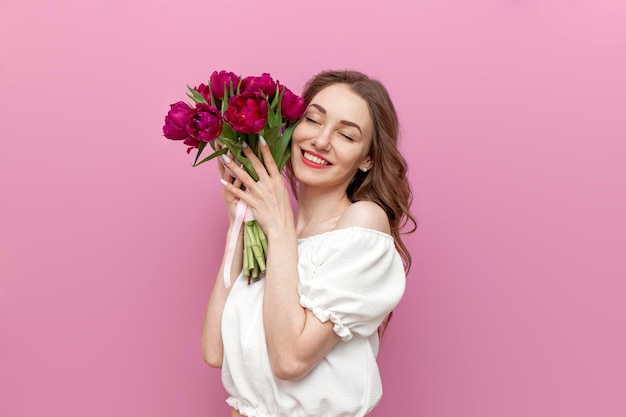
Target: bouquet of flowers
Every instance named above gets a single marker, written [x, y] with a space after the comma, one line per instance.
[226, 112]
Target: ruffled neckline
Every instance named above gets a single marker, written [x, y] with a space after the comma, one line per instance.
[377, 233]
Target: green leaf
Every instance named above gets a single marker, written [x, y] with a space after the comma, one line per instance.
[228, 132]
[279, 116]
[211, 94]
[284, 160]
[195, 96]
[272, 136]
[273, 120]
[277, 96]
[249, 168]
[274, 117]
[200, 149]
[213, 155]
[239, 85]
[225, 100]
[281, 147]
[253, 142]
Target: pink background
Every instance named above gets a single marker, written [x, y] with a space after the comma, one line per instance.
[514, 127]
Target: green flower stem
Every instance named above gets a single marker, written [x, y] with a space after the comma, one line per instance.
[263, 240]
[251, 262]
[246, 267]
[255, 243]
[255, 272]
[248, 253]
[255, 251]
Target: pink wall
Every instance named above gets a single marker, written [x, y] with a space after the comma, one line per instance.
[514, 119]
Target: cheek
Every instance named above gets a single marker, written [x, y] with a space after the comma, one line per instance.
[296, 139]
[297, 133]
[301, 134]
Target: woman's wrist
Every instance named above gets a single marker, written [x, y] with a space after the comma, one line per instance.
[285, 232]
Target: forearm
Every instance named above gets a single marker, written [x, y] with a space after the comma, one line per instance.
[297, 341]
[212, 346]
[283, 317]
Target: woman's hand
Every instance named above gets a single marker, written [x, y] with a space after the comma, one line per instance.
[297, 341]
[226, 175]
[267, 198]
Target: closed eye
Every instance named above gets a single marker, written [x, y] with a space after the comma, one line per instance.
[312, 120]
[346, 136]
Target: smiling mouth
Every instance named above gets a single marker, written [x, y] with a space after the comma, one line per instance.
[316, 160]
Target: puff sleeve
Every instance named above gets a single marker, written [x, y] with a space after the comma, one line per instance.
[353, 277]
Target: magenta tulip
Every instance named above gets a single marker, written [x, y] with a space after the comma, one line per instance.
[176, 121]
[220, 81]
[264, 84]
[205, 123]
[292, 106]
[247, 112]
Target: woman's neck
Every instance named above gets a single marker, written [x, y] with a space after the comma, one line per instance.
[319, 210]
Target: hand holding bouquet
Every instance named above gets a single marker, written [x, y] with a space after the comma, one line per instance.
[227, 112]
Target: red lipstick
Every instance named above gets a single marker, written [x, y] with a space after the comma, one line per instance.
[311, 163]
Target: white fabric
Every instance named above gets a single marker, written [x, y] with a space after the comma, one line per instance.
[353, 277]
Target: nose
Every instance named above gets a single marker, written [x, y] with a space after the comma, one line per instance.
[321, 141]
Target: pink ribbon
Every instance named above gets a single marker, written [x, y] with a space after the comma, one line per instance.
[242, 213]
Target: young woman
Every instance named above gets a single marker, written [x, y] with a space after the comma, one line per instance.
[303, 340]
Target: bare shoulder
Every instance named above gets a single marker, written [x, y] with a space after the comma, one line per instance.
[365, 214]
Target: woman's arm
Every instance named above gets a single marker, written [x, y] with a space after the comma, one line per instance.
[297, 341]
[212, 346]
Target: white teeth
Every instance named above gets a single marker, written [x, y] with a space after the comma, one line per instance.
[314, 159]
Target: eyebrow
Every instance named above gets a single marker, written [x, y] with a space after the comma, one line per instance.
[343, 122]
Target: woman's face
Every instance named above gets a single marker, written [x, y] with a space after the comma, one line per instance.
[333, 139]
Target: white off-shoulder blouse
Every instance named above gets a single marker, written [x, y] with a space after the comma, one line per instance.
[353, 277]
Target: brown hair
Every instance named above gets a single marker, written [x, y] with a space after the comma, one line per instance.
[386, 183]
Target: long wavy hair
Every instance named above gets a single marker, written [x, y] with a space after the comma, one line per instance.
[386, 183]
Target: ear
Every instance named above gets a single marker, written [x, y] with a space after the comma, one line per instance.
[367, 163]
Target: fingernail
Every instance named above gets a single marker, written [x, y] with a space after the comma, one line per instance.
[244, 144]
[262, 139]
[226, 159]
[223, 181]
